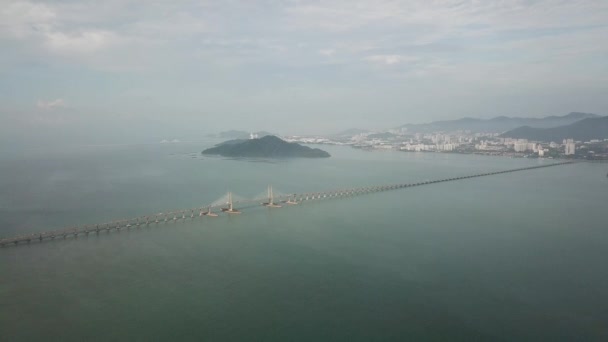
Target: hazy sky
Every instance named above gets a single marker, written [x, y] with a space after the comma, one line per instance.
[138, 70]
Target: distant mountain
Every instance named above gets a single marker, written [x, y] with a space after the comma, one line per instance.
[385, 135]
[497, 125]
[351, 132]
[265, 147]
[583, 130]
[234, 134]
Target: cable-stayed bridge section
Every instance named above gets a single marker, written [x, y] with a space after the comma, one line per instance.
[229, 205]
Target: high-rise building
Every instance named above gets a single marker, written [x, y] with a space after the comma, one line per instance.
[521, 145]
[570, 147]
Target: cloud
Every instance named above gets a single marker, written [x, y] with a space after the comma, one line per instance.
[327, 52]
[347, 15]
[23, 19]
[50, 28]
[385, 59]
[390, 60]
[52, 104]
[80, 42]
[123, 35]
[148, 56]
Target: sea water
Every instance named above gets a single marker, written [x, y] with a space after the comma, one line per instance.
[517, 256]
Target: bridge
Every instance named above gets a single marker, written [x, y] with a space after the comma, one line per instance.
[228, 206]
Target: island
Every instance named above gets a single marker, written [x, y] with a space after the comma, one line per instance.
[269, 146]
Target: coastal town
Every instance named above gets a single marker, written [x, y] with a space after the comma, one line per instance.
[465, 142]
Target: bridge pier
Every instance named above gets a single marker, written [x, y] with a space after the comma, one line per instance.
[209, 213]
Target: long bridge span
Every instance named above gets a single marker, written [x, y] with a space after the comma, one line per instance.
[230, 207]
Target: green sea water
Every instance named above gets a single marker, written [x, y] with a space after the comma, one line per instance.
[518, 256]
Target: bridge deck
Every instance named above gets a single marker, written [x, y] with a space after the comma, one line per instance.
[177, 215]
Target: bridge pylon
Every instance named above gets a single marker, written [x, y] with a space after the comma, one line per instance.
[230, 209]
[270, 203]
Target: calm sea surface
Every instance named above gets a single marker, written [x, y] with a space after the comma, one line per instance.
[520, 256]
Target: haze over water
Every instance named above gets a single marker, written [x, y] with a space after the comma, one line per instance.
[518, 256]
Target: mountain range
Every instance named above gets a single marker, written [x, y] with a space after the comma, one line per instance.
[583, 130]
[497, 125]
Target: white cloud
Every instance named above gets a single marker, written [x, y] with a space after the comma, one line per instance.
[174, 25]
[385, 59]
[112, 34]
[23, 19]
[389, 60]
[81, 42]
[343, 15]
[327, 52]
[52, 104]
[48, 27]
[199, 54]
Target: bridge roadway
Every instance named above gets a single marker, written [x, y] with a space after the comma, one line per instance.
[174, 216]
